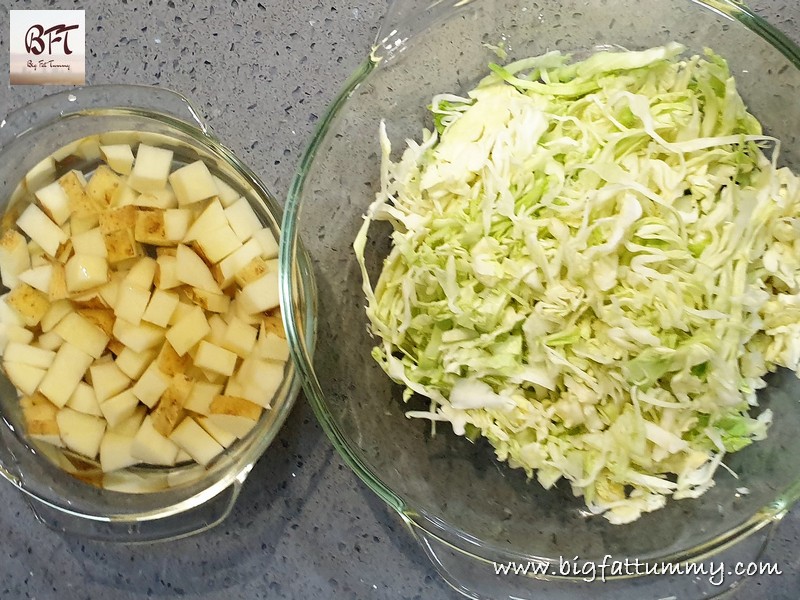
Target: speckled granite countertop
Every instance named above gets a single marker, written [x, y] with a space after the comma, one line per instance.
[262, 72]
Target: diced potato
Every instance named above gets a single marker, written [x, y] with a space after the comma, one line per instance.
[142, 272]
[191, 270]
[188, 331]
[208, 301]
[224, 437]
[201, 396]
[14, 257]
[217, 244]
[214, 358]
[55, 312]
[160, 308]
[119, 157]
[239, 337]
[125, 195]
[150, 169]
[272, 347]
[218, 328]
[269, 246]
[139, 337]
[84, 400]
[102, 318]
[235, 415]
[90, 243]
[131, 425]
[102, 186]
[119, 407]
[79, 202]
[193, 183]
[49, 341]
[41, 229]
[77, 330]
[170, 362]
[134, 363]
[260, 379]
[84, 271]
[30, 304]
[81, 433]
[259, 295]
[167, 272]
[115, 451]
[242, 219]
[108, 380]
[150, 228]
[169, 410]
[28, 355]
[212, 217]
[38, 277]
[196, 441]
[24, 377]
[151, 447]
[151, 385]
[253, 270]
[238, 260]
[131, 303]
[176, 224]
[118, 219]
[54, 202]
[41, 173]
[68, 368]
[58, 283]
[163, 199]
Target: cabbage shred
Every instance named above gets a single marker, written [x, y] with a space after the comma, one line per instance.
[594, 264]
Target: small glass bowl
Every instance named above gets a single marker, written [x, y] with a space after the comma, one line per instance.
[184, 499]
[471, 514]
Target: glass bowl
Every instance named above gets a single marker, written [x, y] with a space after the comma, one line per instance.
[176, 501]
[469, 512]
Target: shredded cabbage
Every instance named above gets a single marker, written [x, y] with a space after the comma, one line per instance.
[593, 266]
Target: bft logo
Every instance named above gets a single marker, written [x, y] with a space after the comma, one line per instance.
[37, 35]
[48, 47]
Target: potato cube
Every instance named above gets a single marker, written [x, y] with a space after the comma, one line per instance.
[170, 363]
[151, 168]
[215, 359]
[55, 312]
[119, 157]
[176, 224]
[150, 228]
[131, 303]
[151, 447]
[107, 380]
[163, 199]
[119, 407]
[77, 330]
[191, 270]
[28, 355]
[193, 183]
[238, 260]
[151, 385]
[14, 257]
[58, 283]
[167, 272]
[102, 318]
[208, 301]
[134, 363]
[115, 451]
[49, 341]
[118, 219]
[80, 203]
[81, 433]
[235, 415]
[142, 272]
[24, 377]
[201, 396]
[218, 243]
[188, 331]
[259, 295]
[218, 328]
[139, 337]
[169, 410]
[239, 337]
[102, 186]
[269, 246]
[41, 229]
[54, 202]
[255, 269]
[160, 308]
[272, 347]
[242, 219]
[30, 304]
[68, 368]
[212, 217]
[41, 173]
[224, 437]
[84, 400]
[125, 195]
[131, 425]
[196, 441]
[38, 277]
[84, 271]
[90, 243]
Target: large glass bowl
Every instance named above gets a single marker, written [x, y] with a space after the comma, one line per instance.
[469, 512]
[179, 500]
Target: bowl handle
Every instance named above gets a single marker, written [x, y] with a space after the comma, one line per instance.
[480, 579]
[171, 527]
[54, 106]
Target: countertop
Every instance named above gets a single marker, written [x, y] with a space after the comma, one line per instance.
[262, 72]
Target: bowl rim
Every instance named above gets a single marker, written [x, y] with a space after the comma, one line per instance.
[382, 53]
